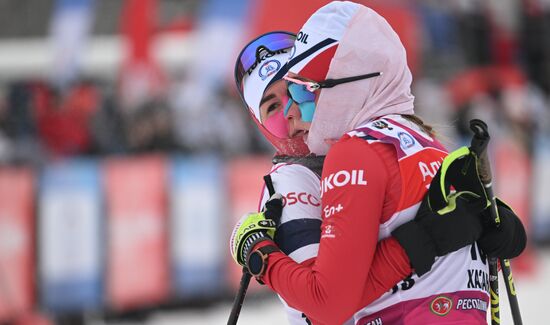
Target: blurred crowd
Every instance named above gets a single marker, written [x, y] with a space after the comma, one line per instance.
[39, 123]
[489, 59]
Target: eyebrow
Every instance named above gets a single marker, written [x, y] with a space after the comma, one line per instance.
[267, 98]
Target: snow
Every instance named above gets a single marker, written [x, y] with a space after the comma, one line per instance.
[531, 291]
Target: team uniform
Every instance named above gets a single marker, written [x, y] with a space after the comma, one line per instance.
[456, 290]
[299, 231]
[300, 227]
[388, 163]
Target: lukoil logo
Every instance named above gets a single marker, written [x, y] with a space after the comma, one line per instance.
[263, 56]
[343, 178]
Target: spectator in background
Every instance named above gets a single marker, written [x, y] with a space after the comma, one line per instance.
[534, 44]
[231, 124]
[216, 124]
[149, 128]
[64, 120]
[474, 32]
[5, 143]
[107, 126]
[20, 123]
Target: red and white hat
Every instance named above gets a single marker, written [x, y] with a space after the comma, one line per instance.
[345, 39]
[261, 63]
[317, 41]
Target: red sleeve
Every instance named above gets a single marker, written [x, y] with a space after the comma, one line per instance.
[352, 268]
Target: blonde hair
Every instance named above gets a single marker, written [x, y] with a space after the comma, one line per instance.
[418, 121]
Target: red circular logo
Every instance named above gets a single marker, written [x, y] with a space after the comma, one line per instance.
[441, 305]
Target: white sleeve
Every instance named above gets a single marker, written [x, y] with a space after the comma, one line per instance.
[299, 231]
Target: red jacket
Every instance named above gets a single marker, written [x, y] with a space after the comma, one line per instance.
[352, 268]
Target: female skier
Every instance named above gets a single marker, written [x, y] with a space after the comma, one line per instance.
[260, 67]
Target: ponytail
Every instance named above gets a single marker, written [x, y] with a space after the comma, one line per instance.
[418, 121]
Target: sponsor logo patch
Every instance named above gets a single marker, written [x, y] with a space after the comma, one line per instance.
[472, 303]
[331, 210]
[267, 223]
[328, 232]
[381, 125]
[441, 305]
[264, 56]
[269, 68]
[406, 140]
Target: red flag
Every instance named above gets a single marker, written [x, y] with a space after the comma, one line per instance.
[141, 77]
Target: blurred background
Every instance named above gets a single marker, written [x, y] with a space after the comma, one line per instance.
[126, 155]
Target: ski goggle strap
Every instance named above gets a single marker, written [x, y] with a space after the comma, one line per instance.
[312, 86]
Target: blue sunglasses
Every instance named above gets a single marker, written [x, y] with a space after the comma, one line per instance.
[298, 93]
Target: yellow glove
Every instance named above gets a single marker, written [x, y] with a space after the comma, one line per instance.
[253, 228]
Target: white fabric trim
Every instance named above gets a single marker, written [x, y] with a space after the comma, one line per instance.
[254, 85]
[304, 253]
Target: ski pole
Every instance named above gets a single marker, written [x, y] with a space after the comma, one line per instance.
[479, 147]
[239, 298]
[245, 278]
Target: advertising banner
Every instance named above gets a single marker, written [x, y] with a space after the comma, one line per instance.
[245, 183]
[541, 181]
[512, 179]
[70, 236]
[137, 255]
[16, 242]
[198, 224]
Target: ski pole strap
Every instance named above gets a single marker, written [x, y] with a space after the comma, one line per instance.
[478, 145]
[269, 184]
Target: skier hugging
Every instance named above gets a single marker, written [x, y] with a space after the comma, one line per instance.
[362, 241]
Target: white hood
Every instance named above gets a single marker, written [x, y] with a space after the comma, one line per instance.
[365, 43]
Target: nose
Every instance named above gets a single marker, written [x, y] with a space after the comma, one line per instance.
[293, 111]
[292, 116]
